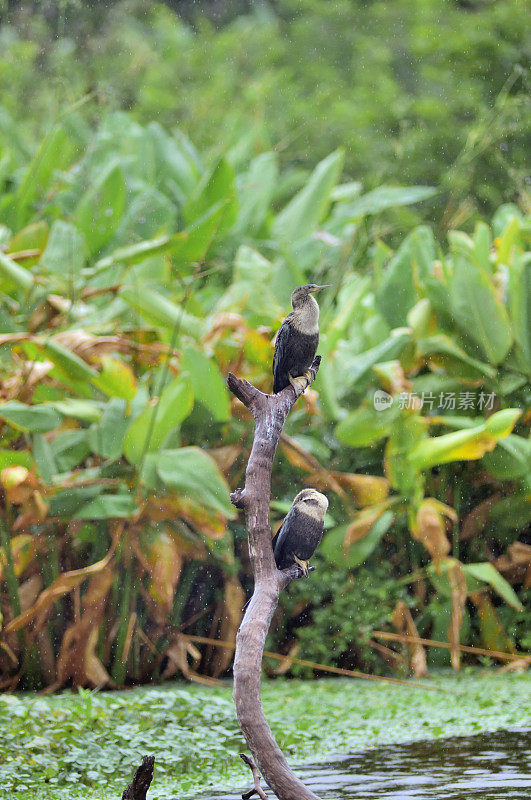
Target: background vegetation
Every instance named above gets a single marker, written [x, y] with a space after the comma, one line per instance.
[157, 209]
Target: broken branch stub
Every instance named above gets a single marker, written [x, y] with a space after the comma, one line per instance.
[269, 413]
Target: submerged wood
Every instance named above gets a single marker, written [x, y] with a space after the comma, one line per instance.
[269, 412]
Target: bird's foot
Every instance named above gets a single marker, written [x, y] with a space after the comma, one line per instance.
[304, 565]
[300, 383]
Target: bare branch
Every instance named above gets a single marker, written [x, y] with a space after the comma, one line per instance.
[269, 412]
[141, 782]
[256, 777]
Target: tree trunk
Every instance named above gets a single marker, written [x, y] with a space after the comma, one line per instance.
[269, 412]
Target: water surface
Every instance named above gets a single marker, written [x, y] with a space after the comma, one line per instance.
[484, 767]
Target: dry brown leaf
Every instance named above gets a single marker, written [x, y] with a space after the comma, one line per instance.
[164, 562]
[225, 456]
[430, 529]
[233, 602]
[363, 522]
[77, 658]
[404, 623]
[515, 565]
[61, 586]
[457, 579]
[367, 489]
[475, 520]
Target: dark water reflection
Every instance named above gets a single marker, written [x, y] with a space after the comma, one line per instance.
[484, 767]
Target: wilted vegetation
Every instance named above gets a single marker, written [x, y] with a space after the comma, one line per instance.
[135, 272]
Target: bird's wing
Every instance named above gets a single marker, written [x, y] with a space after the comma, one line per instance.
[281, 350]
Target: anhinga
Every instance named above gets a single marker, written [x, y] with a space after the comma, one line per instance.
[297, 339]
[302, 530]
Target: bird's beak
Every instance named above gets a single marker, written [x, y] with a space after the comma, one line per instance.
[318, 288]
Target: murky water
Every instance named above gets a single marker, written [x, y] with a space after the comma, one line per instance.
[485, 767]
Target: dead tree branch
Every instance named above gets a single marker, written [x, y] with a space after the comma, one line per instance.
[257, 789]
[269, 412]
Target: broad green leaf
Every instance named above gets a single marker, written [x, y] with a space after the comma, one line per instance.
[158, 310]
[13, 458]
[387, 197]
[256, 191]
[65, 251]
[478, 311]
[106, 438]
[12, 275]
[391, 348]
[84, 410]
[148, 431]
[483, 246]
[192, 473]
[510, 459]
[69, 448]
[366, 425]
[486, 573]
[207, 381]
[520, 306]
[32, 237]
[136, 253]
[108, 506]
[102, 206]
[116, 378]
[306, 210]
[218, 186]
[507, 241]
[201, 234]
[65, 502]
[333, 547]
[395, 294]
[71, 364]
[35, 419]
[445, 353]
[44, 457]
[464, 445]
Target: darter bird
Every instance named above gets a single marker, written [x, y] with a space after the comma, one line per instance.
[302, 530]
[297, 339]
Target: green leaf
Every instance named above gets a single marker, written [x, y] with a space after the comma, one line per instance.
[191, 472]
[102, 206]
[387, 197]
[36, 419]
[486, 573]
[69, 449]
[108, 506]
[71, 364]
[65, 502]
[391, 348]
[333, 549]
[15, 458]
[107, 437]
[218, 186]
[256, 191]
[84, 410]
[200, 235]
[510, 459]
[116, 379]
[148, 431]
[306, 210]
[65, 251]
[44, 457]
[477, 310]
[520, 306]
[12, 275]
[455, 361]
[366, 426]
[207, 381]
[158, 310]
[136, 253]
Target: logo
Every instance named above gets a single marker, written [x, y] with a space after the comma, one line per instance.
[382, 400]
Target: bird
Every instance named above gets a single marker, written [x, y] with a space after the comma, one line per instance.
[297, 339]
[301, 531]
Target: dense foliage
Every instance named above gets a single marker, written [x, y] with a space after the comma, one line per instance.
[416, 92]
[134, 274]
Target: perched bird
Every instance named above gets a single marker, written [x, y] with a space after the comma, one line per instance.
[300, 533]
[297, 339]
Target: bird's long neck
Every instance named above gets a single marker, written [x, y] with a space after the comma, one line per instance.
[305, 317]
